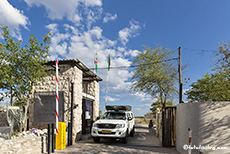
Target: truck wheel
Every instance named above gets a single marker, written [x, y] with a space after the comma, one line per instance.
[125, 139]
[96, 139]
[132, 132]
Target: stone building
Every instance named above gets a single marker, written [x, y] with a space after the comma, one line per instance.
[78, 92]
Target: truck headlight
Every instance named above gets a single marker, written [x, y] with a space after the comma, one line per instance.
[120, 126]
[95, 125]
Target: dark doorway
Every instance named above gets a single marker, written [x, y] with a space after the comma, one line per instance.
[87, 115]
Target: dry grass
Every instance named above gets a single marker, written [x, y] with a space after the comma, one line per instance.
[143, 120]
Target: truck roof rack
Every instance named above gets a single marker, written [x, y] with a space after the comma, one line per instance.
[118, 107]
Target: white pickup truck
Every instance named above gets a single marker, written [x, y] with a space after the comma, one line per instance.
[117, 122]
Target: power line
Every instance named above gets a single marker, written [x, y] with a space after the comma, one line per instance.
[122, 67]
[202, 50]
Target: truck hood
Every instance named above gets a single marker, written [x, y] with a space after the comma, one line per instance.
[110, 121]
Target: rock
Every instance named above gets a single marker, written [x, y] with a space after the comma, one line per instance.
[2, 139]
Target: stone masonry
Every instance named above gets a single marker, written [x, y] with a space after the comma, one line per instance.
[81, 86]
[21, 146]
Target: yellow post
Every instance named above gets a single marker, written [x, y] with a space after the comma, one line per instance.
[61, 136]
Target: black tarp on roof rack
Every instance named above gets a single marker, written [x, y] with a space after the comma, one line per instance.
[118, 107]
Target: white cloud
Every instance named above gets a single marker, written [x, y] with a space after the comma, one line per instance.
[76, 18]
[52, 27]
[111, 99]
[92, 16]
[142, 107]
[89, 42]
[132, 53]
[137, 108]
[83, 45]
[122, 49]
[185, 90]
[92, 2]
[96, 32]
[127, 33]
[6, 98]
[144, 97]
[58, 41]
[3, 94]
[109, 17]
[145, 105]
[13, 18]
[58, 9]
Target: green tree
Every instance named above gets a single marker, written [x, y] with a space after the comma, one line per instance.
[214, 86]
[21, 67]
[211, 87]
[155, 73]
[223, 55]
[158, 104]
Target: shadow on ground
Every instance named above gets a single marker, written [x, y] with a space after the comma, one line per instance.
[144, 142]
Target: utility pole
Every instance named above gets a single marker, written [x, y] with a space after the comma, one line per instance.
[106, 90]
[180, 74]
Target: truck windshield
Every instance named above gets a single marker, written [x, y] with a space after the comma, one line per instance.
[114, 115]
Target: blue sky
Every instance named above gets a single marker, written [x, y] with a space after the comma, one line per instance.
[81, 27]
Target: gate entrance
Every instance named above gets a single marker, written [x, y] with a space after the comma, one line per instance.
[169, 126]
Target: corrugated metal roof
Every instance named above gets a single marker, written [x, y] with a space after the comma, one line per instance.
[88, 75]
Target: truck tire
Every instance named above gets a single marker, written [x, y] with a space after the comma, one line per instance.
[96, 139]
[132, 132]
[125, 139]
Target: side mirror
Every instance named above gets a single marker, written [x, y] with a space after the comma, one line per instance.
[129, 118]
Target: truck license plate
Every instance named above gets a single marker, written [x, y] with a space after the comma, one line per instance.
[106, 131]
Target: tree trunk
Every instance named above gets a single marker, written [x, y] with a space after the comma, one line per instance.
[25, 114]
[161, 96]
[165, 100]
[11, 97]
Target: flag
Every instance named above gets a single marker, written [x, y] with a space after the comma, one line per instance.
[95, 62]
[109, 62]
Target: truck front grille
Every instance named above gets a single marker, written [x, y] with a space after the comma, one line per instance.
[109, 126]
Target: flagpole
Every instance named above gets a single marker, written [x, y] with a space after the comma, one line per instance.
[106, 90]
[107, 81]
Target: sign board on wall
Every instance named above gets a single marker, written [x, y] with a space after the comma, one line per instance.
[45, 107]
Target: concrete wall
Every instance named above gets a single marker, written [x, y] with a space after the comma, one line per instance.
[209, 122]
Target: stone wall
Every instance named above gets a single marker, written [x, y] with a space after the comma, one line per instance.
[32, 145]
[92, 90]
[67, 76]
[77, 100]
[96, 101]
[3, 119]
[88, 88]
